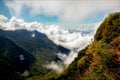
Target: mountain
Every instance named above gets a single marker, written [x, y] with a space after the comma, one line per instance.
[100, 60]
[26, 39]
[13, 59]
[36, 44]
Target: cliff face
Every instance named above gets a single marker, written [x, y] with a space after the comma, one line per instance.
[101, 59]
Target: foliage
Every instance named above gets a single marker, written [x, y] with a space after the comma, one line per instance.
[109, 28]
[98, 60]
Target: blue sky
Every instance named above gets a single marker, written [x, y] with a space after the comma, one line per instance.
[59, 12]
[26, 16]
[4, 10]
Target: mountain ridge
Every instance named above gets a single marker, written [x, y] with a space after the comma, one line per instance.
[100, 60]
[43, 49]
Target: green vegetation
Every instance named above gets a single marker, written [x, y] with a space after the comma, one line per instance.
[40, 47]
[101, 59]
[110, 28]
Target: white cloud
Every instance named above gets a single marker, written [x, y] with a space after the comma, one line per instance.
[15, 7]
[21, 57]
[3, 18]
[65, 10]
[33, 35]
[74, 41]
[55, 66]
[67, 59]
[3, 22]
[55, 33]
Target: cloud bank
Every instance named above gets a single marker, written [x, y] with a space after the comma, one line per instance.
[65, 10]
[60, 36]
[55, 66]
[74, 41]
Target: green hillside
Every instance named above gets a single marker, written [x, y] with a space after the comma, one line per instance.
[13, 60]
[41, 48]
[101, 59]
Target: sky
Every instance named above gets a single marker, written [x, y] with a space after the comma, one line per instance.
[60, 12]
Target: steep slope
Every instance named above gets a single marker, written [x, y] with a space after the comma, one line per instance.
[101, 59]
[13, 59]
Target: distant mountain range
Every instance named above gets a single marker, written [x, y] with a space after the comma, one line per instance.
[23, 49]
[25, 39]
